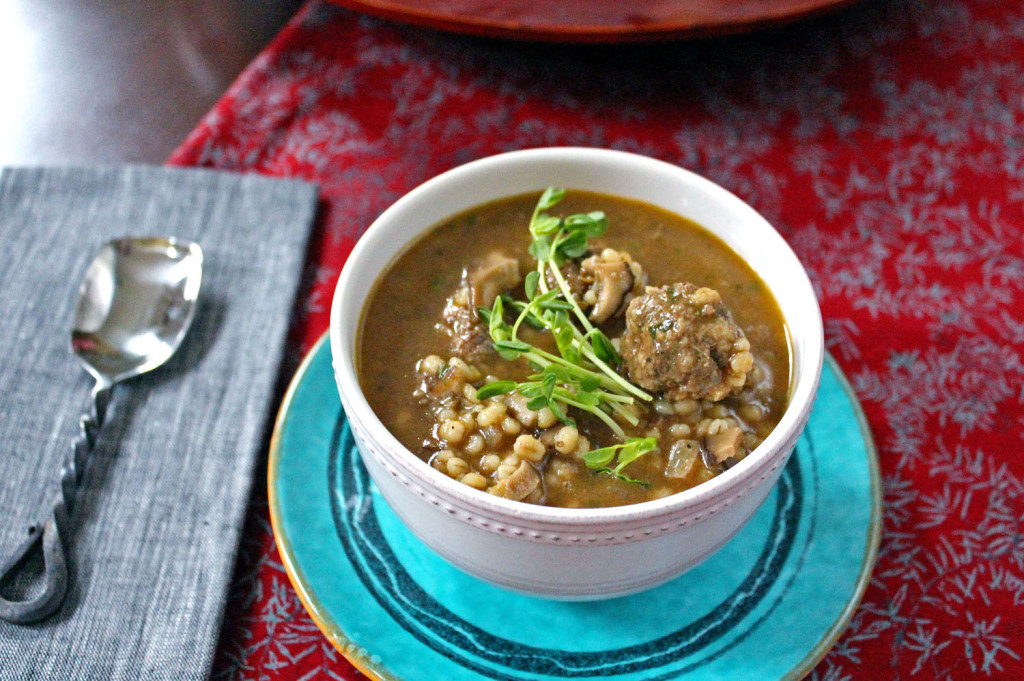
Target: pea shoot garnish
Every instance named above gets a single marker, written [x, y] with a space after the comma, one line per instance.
[582, 375]
[627, 452]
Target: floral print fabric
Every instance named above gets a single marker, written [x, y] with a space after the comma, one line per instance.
[885, 141]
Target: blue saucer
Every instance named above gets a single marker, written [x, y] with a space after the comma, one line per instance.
[768, 605]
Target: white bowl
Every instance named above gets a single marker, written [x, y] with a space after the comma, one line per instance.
[560, 552]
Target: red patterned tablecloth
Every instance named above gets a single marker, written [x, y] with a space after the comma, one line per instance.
[886, 143]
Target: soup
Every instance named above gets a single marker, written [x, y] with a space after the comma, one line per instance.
[580, 350]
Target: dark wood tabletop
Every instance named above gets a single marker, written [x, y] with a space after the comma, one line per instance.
[106, 81]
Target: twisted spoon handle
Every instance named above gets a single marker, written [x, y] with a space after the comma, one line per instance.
[54, 534]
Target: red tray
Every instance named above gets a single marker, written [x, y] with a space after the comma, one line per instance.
[593, 21]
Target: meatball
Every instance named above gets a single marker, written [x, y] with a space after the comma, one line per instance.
[680, 341]
[468, 336]
[570, 270]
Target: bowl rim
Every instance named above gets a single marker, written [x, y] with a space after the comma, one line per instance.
[708, 493]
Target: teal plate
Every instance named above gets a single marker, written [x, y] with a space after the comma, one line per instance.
[767, 605]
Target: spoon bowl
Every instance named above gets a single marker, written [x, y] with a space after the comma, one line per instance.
[135, 305]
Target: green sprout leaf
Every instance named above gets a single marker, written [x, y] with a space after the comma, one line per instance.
[495, 389]
[549, 199]
[574, 245]
[592, 225]
[531, 284]
[627, 452]
[546, 224]
[541, 248]
[603, 347]
[598, 458]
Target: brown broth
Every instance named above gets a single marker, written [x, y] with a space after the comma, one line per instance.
[399, 326]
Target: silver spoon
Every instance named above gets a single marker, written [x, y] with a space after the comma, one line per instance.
[135, 306]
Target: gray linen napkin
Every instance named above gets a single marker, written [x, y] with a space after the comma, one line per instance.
[157, 523]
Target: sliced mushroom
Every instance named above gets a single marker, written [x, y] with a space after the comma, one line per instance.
[517, 405]
[479, 287]
[614, 277]
[724, 444]
[523, 482]
[496, 274]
